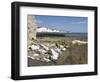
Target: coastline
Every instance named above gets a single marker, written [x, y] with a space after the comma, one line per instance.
[71, 56]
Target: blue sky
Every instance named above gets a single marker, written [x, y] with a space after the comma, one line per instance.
[65, 23]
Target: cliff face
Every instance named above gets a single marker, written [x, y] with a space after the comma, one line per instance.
[31, 29]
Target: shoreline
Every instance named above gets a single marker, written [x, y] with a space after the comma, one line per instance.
[72, 55]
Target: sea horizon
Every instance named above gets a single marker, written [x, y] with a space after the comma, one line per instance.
[62, 34]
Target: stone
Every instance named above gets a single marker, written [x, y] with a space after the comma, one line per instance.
[42, 51]
[36, 54]
[64, 49]
[79, 42]
[54, 54]
[44, 47]
[47, 60]
[35, 47]
[31, 29]
[58, 50]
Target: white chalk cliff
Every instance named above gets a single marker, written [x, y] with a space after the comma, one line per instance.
[43, 29]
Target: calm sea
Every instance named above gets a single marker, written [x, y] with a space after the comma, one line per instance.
[42, 34]
[76, 34]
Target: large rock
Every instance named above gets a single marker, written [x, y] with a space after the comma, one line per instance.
[79, 42]
[31, 27]
[54, 54]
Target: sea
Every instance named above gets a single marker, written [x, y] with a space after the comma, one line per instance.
[42, 34]
[76, 34]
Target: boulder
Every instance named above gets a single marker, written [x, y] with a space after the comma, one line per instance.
[42, 51]
[79, 42]
[35, 47]
[54, 54]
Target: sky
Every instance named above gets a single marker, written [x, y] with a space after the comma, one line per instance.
[64, 23]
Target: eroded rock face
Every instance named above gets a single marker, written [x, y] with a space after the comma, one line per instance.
[31, 27]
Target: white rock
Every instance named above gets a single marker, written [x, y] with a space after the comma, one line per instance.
[45, 59]
[36, 55]
[54, 54]
[45, 47]
[64, 49]
[58, 50]
[31, 57]
[42, 51]
[35, 47]
[79, 42]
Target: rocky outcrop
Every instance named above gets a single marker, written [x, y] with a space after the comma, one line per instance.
[79, 42]
[57, 53]
[31, 27]
[45, 52]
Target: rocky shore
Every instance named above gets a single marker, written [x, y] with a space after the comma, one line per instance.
[53, 52]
